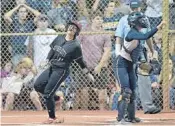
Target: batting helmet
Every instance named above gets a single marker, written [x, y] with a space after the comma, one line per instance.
[76, 24]
[137, 19]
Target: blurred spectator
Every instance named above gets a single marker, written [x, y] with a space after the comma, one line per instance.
[172, 14]
[157, 41]
[172, 50]
[154, 12]
[6, 71]
[122, 7]
[18, 2]
[113, 94]
[172, 86]
[145, 82]
[19, 24]
[21, 84]
[82, 14]
[111, 19]
[42, 6]
[38, 46]
[60, 14]
[96, 52]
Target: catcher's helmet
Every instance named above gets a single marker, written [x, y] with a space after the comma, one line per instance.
[76, 24]
[137, 19]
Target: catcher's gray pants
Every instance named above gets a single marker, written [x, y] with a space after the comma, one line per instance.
[144, 86]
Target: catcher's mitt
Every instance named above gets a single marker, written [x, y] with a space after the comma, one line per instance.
[145, 67]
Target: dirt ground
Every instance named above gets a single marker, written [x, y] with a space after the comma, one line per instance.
[82, 118]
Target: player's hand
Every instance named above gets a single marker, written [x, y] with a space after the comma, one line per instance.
[97, 69]
[44, 64]
[161, 25]
[90, 77]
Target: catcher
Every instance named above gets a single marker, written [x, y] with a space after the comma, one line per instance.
[129, 55]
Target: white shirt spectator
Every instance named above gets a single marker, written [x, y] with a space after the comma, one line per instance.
[41, 45]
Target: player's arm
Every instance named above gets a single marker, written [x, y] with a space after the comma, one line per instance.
[150, 45]
[135, 35]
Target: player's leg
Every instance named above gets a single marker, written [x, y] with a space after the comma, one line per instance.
[131, 105]
[42, 81]
[56, 78]
[124, 97]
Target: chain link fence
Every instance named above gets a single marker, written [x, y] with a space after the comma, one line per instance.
[29, 26]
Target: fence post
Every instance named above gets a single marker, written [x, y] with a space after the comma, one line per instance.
[165, 49]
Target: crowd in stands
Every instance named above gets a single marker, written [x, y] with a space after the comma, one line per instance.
[23, 56]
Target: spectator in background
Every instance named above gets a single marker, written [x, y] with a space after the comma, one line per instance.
[172, 86]
[110, 21]
[60, 14]
[7, 5]
[172, 50]
[42, 6]
[172, 14]
[82, 14]
[21, 84]
[6, 71]
[19, 24]
[38, 46]
[122, 6]
[154, 12]
[96, 52]
[18, 2]
[145, 81]
[157, 42]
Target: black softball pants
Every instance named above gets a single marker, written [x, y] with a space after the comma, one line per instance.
[47, 84]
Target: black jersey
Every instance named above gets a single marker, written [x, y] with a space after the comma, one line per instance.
[63, 52]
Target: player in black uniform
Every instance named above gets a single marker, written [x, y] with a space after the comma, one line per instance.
[64, 49]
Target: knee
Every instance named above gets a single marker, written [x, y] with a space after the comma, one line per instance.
[10, 97]
[126, 94]
[38, 88]
[34, 95]
[133, 97]
[48, 97]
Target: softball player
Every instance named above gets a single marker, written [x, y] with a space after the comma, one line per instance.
[64, 49]
[129, 54]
